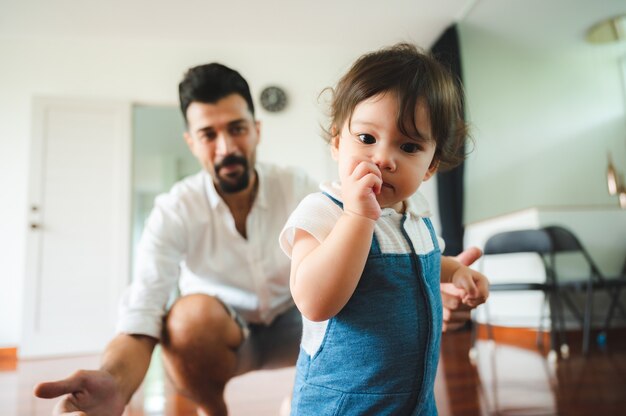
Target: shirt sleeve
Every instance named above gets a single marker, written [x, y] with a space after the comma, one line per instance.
[157, 269]
[420, 206]
[316, 214]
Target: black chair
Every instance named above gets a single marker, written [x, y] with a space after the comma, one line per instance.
[565, 241]
[536, 241]
[615, 285]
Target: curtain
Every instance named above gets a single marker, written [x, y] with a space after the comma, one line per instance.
[450, 184]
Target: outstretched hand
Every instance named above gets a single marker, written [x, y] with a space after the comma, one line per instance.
[86, 393]
[455, 313]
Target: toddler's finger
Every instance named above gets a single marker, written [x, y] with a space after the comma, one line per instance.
[364, 168]
[471, 291]
[378, 185]
[370, 182]
[483, 287]
[449, 290]
[471, 302]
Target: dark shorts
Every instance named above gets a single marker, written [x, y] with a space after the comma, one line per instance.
[269, 346]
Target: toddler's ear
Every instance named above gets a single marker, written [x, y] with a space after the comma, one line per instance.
[434, 165]
[334, 143]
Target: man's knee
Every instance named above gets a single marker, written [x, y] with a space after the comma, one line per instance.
[196, 353]
[199, 319]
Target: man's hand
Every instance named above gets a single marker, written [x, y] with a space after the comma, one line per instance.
[455, 313]
[87, 393]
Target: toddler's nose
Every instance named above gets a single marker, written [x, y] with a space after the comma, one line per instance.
[384, 160]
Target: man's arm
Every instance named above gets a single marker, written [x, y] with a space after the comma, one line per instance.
[127, 358]
[108, 390]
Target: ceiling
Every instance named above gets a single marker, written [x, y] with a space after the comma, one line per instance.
[359, 23]
[543, 23]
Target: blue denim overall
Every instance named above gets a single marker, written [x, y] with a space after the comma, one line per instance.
[379, 353]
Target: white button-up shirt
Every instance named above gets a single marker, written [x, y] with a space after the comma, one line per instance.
[190, 238]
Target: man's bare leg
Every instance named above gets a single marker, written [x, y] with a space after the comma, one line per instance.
[199, 350]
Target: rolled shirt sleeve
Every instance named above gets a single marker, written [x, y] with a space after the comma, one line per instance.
[159, 254]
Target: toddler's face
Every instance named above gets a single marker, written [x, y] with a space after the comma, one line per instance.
[373, 135]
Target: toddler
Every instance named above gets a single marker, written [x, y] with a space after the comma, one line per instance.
[366, 263]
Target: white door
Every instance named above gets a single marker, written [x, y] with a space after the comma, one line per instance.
[79, 212]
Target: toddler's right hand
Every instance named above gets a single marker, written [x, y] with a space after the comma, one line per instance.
[475, 285]
[359, 189]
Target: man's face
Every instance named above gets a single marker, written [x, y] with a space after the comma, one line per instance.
[223, 136]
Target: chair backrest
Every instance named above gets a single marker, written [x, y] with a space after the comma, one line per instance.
[519, 241]
[564, 240]
[532, 241]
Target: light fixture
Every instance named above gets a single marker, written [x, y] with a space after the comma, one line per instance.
[615, 183]
[612, 178]
[609, 30]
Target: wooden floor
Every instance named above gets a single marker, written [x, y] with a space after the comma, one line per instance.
[506, 380]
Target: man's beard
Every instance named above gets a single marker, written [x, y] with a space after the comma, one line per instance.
[235, 184]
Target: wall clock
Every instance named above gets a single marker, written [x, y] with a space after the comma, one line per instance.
[273, 99]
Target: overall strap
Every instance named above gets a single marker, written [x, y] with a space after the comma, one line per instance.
[375, 249]
[431, 230]
[335, 200]
[433, 234]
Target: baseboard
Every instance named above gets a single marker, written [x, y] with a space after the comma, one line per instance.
[8, 358]
[527, 338]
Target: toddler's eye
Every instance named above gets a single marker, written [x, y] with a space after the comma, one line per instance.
[367, 138]
[410, 147]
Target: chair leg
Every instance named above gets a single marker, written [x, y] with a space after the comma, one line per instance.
[473, 352]
[557, 330]
[563, 346]
[542, 317]
[614, 302]
[572, 307]
[618, 304]
[490, 338]
[552, 355]
[588, 315]
[613, 305]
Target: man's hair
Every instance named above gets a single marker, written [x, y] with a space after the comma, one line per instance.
[210, 83]
[410, 74]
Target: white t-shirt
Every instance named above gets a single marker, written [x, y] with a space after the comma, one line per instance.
[190, 238]
[317, 214]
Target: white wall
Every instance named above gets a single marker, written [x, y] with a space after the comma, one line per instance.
[149, 73]
[543, 120]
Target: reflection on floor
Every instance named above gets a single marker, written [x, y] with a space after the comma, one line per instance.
[506, 380]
